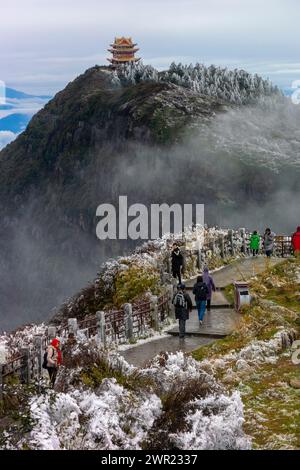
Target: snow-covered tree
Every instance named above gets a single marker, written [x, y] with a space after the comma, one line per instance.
[235, 86]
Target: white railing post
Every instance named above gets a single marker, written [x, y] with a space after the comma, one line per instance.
[101, 336]
[51, 332]
[128, 321]
[244, 241]
[230, 238]
[1, 381]
[38, 344]
[154, 312]
[171, 309]
[221, 246]
[72, 326]
[169, 264]
[213, 246]
[26, 366]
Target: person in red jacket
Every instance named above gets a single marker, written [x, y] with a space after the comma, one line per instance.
[54, 359]
[296, 242]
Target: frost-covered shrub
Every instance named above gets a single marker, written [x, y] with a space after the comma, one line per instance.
[235, 86]
[182, 408]
[216, 423]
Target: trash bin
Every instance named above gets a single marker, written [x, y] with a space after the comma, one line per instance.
[241, 295]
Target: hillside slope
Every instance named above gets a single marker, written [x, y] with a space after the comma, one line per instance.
[153, 137]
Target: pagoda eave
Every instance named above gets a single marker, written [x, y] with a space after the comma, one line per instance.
[123, 45]
[123, 61]
[123, 51]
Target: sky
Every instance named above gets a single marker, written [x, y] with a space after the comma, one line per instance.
[46, 43]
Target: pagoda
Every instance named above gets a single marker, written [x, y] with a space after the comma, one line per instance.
[123, 50]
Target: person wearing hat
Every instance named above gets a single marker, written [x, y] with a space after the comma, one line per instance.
[54, 359]
[177, 262]
[183, 305]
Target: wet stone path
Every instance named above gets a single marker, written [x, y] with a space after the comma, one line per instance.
[218, 323]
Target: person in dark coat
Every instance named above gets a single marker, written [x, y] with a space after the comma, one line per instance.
[183, 305]
[177, 262]
[200, 291]
[207, 278]
[269, 240]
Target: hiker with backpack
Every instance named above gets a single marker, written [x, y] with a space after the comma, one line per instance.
[183, 305]
[52, 360]
[177, 262]
[200, 291]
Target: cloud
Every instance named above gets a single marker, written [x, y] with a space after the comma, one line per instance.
[49, 43]
[26, 106]
[6, 137]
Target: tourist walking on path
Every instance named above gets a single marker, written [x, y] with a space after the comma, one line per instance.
[183, 305]
[54, 359]
[296, 242]
[269, 238]
[255, 243]
[200, 291]
[207, 278]
[177, 262]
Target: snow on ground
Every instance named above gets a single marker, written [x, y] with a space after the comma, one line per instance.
[114, 417]
[216, 431]
[257, 352]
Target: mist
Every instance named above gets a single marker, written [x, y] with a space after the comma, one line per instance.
[244, 166]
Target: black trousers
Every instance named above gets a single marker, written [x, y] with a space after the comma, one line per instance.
[208, 302]
[181, 328]
[255, 252]
[177, 273]
[52, 375]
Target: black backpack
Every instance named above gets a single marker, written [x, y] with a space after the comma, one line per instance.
[45, 360]
[200, 291]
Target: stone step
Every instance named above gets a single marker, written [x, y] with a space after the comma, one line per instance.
[218, 289]
[217, 323]
[217, 306]
[218, 301]
[205, 333]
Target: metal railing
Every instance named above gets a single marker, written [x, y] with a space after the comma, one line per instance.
[133, 320]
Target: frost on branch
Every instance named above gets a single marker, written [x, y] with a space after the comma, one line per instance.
[234, 86]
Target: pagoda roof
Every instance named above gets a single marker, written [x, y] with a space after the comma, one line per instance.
[122, 41]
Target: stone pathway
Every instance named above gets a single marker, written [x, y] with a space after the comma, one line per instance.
[218, 323]
[140, 355]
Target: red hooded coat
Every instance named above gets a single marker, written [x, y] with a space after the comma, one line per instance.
[296, 240]
[55, 343]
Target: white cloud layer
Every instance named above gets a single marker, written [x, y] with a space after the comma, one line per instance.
[49, 43]
[6, 137]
